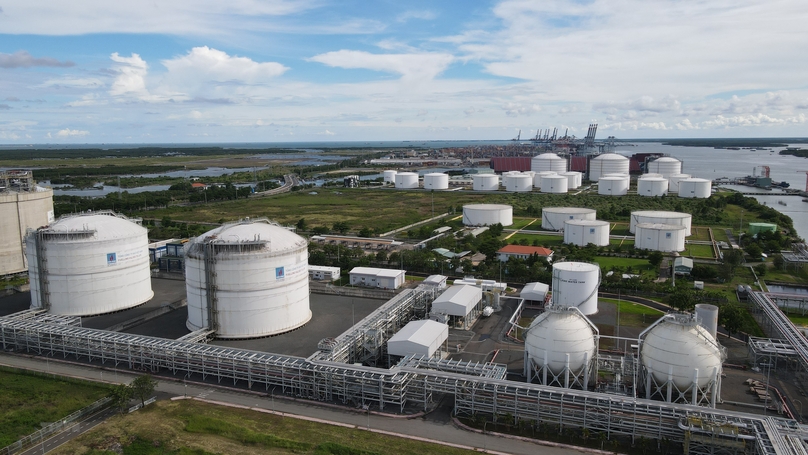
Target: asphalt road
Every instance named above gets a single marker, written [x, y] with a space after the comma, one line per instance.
[70, 432]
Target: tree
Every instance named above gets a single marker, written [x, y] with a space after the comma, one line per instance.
[730, 315]
[366, 232]
[319, 230]
[142, 387]
[681, 300]
[302, 225]
[778, 261]
[761, 269]
[655, 258]
[120, 396]
[341, 227]
[754, 251]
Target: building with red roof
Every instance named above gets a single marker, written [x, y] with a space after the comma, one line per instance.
[524, 252]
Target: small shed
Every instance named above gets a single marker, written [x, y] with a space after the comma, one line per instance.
[755, 228]
[534, 293]
[463, 304]
[322, 272]
[682, 265]
[423, 338]
[377, 278]
[437, 281]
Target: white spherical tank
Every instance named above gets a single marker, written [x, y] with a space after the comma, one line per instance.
[652, 186]
[584, 232]
[576, 284]
[553, 218]
[574, 179]
[92, 263]
[659, 237]
[487, 214]
[20, 211]
[548, 162]
[557, 184]
[673, 182]
[660, 217]
[613, 186]
[540, 175]
[390, 176]
[261, 280]
[666, 166]
[695, 188]
[485, 182]
[519, 183]
[406, 180]
[608, 163]
[554, 334]
[436, 181]
[678, 346]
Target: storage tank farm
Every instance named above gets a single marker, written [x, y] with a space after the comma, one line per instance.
[613, 186]
[247, 279]
[561, 348]
[652, 186]
[485, 182]
[540, 175]
[584, 232]
[666, 238]
[575, 284]
[607, 163]
[574, 179]
[660, 217]
[548, 162]
[406, 180]
[554, 184]
[487, 214]
[23, 206]
[695, 188]
[390, 176]
[519, 183]
[673, 182]
[666, 166]
[436, 181]
[553, 218]
[89, 264]
[681, 361]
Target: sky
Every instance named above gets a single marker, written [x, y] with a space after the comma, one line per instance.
[195, 71]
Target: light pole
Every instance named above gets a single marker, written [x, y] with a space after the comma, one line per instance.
[485, 438]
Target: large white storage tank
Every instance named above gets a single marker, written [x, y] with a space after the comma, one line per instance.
[485, 182]
[673, 182]
[659, 237]
[666, 166]
[436, 181]
[88, 264]
[695, 188]
[707, 315]
[548, 162]
[660, 217]
[20, 211]
[556, 184]
[251, 277]
[613, 186]
[651, 174]
[537, 176]
[519, 183]
[574, 179]
[652, 186]
[584, 232]
[487, 214]
[553, 218]
[564, 343]
[575, 284]
[406, 180]
[390, 176]
[607, 163]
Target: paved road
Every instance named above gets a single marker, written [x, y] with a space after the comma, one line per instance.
[436, 426]
[69, 433]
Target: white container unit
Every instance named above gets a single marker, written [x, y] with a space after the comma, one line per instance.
[659, 237]
[574, 179]
[613, 186]
[540, 175]
[556, 184]
[575, 284]
[553, 218]
[695, 188]
[673, 182]
[487, 214]
[485, 182]
[652, 186]
[390, 176]
[548, 162]
[406, 180]
[666, 166]
[261, 285]
[436, 181]
[660, 217]
[20, 211]
[519, 183]
[560, 346]
[584, 232]
[92, 263]
[607, 163]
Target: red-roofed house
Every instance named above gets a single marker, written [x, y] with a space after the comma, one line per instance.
[198, 186]
[524, 252]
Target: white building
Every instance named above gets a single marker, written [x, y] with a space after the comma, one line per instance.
[377, 278]
[437, 281]
[423, 338]
[461, 303]
[535, 292]
[322, 272]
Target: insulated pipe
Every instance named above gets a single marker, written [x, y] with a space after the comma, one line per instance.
[695, 386]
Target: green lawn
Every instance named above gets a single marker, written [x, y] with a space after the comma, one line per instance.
[699, 233]
[634, 314]
[699, 251]
[620, 229]
[520, 223]
[637, 264]
[542, 239]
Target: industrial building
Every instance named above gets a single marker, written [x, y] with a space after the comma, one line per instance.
[553, 218]
[462, 304]
[324, 273]
[487, 214]
[377, 278]
[23, 206]
[535, 293]
[424, 338]
[436, 281]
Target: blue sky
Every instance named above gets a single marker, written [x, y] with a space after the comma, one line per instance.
[93, 71]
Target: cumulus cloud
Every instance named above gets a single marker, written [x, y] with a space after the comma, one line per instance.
[215, 65]
[131, 78]
[412, 66]
[22, 59]
[67, 132]
[516, 109]
[643, 104]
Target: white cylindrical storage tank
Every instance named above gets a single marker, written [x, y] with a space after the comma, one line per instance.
[574, 179]
[261, 283]
[648, 175]
[519, 183]
[537, 176]
[675, 348]
[553, 218]
[390, 176]
[652, 186]
[555, 334]
[707, 315]
[548, 162]
[660, 217]
[667, 166]
[576, 284]
[20, 211]
[659, 237]
[613, 186]
[485, 182]
[695, 188]
[90, 264]
[487, 214]
[673, 182]
[406, 180]
[556, 184]
[584, 232]
[436, 181]
[607, 163]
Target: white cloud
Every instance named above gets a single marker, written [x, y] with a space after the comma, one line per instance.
[22, 59]
[325, 133]
[414, 66]
[67, 132]
[131, 78]
[516, 109]
[204, 63]
[426, 15]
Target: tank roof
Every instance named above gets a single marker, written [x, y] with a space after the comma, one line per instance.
[253, 231]
[575, 266]
[668, 159]
[568, 210]
[661, 226]
[487, 206]
[547, 156]
[587, 222]
[661, 214]
[105, 225]
[610, 156]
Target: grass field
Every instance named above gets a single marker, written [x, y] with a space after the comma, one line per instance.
[620, 229]
[520, 223]
[633, 314]
[542, 239]
[637, 264]
[27, 400]
[190, 427]
[699, 233]
[699, 251]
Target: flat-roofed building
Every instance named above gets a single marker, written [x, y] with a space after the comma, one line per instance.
[324, 273]
[424, 338]
[463, 304]
[377, 278]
